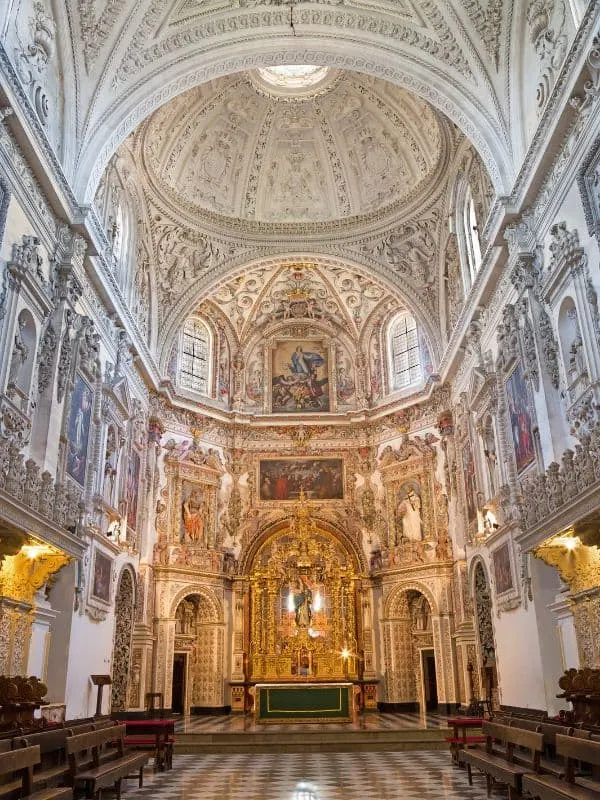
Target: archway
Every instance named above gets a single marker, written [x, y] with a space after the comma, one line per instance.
[412, 657]
[197, 683]
[121, 661]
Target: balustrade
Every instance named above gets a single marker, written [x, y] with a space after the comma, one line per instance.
[21, 479]
[562, 484]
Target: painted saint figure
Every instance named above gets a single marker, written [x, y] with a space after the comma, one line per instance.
[193, 517]
[304, 363]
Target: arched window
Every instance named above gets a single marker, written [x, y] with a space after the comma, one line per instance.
[194, 365]
[405, 355]
[471, 235]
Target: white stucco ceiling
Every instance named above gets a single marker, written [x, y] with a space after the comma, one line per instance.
[353, 146]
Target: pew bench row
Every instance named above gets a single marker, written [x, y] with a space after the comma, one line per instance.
[514, 757]
[92, 761]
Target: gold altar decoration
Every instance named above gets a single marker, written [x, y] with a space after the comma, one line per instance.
[22, 574]
[578, 565]
[303, 621]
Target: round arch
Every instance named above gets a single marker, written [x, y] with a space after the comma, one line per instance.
[184, 307]
[356, 48]
[408, 586]
[202, 591]
[475, 561]
[248, 555]
[125, 598]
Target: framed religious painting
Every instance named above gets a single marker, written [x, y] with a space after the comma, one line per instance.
[101, 578]
[502, 570]
[133, 485]
[78, 430]
[520, 418]
[470, 482]
[283, 479]
[300, 377]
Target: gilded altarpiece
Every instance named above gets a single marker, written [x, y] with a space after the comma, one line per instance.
[303, 620]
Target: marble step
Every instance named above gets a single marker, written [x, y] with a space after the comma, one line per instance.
[297, 741]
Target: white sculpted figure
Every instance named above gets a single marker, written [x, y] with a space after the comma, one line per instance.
[408, 513]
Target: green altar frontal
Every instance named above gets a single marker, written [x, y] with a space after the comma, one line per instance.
[303, 702]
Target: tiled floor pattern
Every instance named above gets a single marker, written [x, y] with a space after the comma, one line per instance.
[319, 776]
[372, 721]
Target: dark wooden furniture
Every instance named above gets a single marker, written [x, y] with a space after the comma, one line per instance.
[499, 762]
[16, 769]
[573, 786]
[100, 681]
[461, 736]
[97, 760]
[53, 768]
[156, 736]
[581, 688]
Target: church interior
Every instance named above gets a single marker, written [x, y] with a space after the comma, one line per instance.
[300, 387]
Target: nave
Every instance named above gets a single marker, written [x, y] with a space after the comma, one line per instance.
[313, 776]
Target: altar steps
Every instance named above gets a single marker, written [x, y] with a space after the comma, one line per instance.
[296, 740]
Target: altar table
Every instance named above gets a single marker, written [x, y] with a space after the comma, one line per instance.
[303, 702]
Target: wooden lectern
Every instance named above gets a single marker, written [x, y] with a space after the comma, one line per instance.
[100, 681]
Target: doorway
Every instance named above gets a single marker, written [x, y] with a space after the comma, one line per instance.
[179, 676]
[429, 680]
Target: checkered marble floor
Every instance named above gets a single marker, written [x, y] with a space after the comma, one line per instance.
[317, 776]
[371, 721]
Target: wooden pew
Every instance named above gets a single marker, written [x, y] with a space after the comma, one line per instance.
[572, 786]
[500, 764]
[53, 768]
[17, 766]
[109, 762]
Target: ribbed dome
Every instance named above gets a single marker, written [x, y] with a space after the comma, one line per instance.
[350, 147]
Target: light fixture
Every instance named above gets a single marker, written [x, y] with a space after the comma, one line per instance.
[345, 653]
[318, 603]
[33, 551]
[571, 543]
[568, 542]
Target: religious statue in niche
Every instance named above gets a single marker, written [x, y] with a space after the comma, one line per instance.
[576, 359]
[409, 521]
[110, 466]
[193, 515]
[301, 594]
[491, 458]
[185, 617]
[300, 380]
[20, 352]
